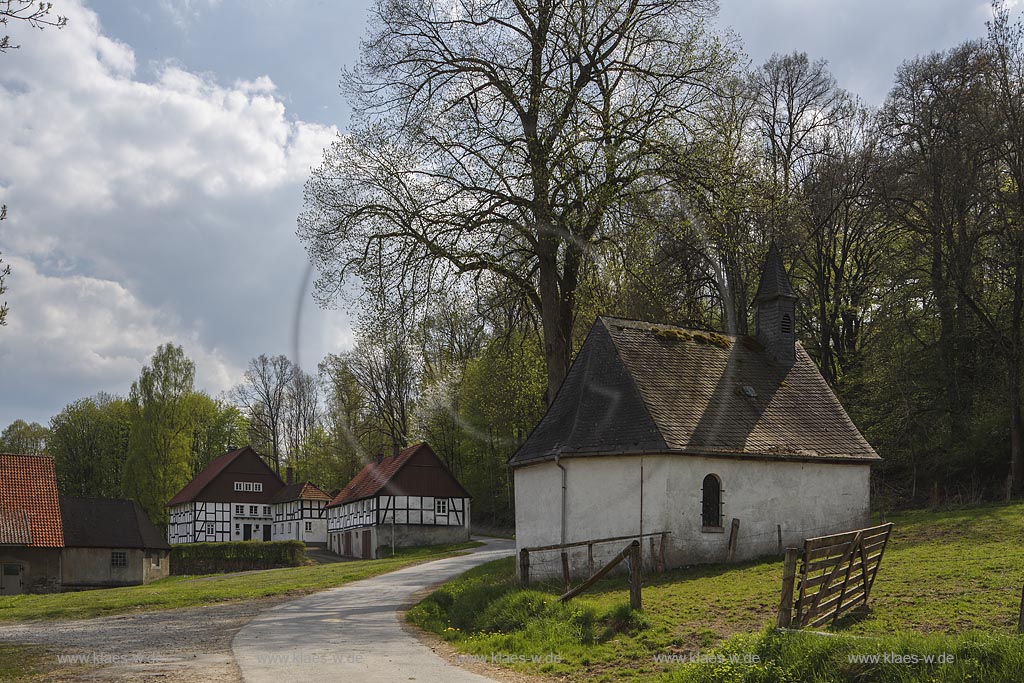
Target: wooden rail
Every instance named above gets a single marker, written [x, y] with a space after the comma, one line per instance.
[524, 555]
[631, 551]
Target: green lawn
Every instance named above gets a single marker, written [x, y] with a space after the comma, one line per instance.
[189, 591]
[950, 582]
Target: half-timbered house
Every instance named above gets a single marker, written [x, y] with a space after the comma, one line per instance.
[230, 500]
[300, 513]
[692, 437]
[407, 499]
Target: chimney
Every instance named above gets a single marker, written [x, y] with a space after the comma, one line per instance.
[775, 309]
[289, 475]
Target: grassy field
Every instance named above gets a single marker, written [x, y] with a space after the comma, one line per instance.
[950, 583]
[188, 591]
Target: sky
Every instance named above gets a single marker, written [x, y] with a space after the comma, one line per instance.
[152, 158]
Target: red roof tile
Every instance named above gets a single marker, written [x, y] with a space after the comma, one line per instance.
[28, 485]
[301, 491]
[375, 475]
[14, 529]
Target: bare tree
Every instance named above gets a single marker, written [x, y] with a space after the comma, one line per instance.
[492, 139]
[383, 366]
[35, 14]
[301, 412]
[263, 397]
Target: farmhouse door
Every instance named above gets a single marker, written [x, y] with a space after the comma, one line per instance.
[266, 532]
[348, 544]
[11, 579]
[247, 532]
[367, 552]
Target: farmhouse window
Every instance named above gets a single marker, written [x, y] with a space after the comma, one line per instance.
[254, 509]
[239, 509]
[309, 526]
[266, 510]
[118, 558]
[210, 529]
[711, 503]
[440, 506]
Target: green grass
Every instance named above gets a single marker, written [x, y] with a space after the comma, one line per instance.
[189, 591]
[24, 663]
[950, 581]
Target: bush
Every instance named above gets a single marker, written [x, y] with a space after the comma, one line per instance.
[235, 556]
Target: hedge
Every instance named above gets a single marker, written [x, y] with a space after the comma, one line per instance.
[235, 556]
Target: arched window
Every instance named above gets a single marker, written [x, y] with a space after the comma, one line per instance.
[786, 324]
[711, 503]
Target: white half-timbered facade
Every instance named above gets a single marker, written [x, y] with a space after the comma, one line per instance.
[408, 499]
[300, 514]
[230, 500]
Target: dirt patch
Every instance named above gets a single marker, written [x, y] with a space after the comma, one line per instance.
[191, 645]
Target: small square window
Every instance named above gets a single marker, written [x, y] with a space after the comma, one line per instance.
[266, 510]
[254, 509]
[238, 486]
[239, 509]
[118, 558]
[210, 529]
[440, 506]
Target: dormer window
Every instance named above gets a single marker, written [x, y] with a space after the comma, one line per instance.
[786, 324]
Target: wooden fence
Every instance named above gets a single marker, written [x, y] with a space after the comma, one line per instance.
[835, 575]
[657, 553]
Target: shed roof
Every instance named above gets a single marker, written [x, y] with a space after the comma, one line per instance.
[28, 497]
[376, 474]
[108, 523]
[639, 387]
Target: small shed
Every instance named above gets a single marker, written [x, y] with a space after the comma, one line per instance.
[110, 543]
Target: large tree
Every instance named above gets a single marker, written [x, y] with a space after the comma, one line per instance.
[498, 139]
[89, 442]
[24, 438]
[263, 397]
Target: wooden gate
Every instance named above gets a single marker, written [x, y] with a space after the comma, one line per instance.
[836, 574]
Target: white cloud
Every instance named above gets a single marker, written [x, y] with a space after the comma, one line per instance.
[143, 212]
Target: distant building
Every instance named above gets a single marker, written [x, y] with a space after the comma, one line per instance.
[110, 543]
[407, 499]
[659, 428]
[300, 514]
[230, 500]
[31, 532]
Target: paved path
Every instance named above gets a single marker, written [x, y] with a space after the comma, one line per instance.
[353, 633]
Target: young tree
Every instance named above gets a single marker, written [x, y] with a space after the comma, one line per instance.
[159, 451]
[89, 441]
[492, 140]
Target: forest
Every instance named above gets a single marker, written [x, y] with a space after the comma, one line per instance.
[512, 172]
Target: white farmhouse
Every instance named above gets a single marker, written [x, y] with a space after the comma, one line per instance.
[407, 499]
[229, 500]
[299, 513]
[664, 429]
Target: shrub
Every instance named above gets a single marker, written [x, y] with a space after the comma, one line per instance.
[235, 556]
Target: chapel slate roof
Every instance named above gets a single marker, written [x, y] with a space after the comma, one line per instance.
[108, 523]
[28, 489]
[299, 491]
[638, 387]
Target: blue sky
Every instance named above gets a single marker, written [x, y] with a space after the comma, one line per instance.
[153, 156]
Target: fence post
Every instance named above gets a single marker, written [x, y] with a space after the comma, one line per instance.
[524, 568]
[590, 560]
[634, 575]
[788, 578]
[1020, 619]
[565, 571]
[661, 553]
[778, 528]
[733, 533]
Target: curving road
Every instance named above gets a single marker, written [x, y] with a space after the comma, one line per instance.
[354, 633]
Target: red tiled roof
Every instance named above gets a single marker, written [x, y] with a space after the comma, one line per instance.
[209, 473]
[28, 485]
[301, 491]
[374, 476]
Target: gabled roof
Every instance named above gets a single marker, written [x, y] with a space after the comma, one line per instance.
[108, 523]
[192, 489]
[774, 282]
[299, 491]
[638, 387]
[375, 475]
[28, 497]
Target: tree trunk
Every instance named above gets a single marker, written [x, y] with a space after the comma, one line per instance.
[556, 343]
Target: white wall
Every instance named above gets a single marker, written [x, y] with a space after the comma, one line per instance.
[603, 499]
